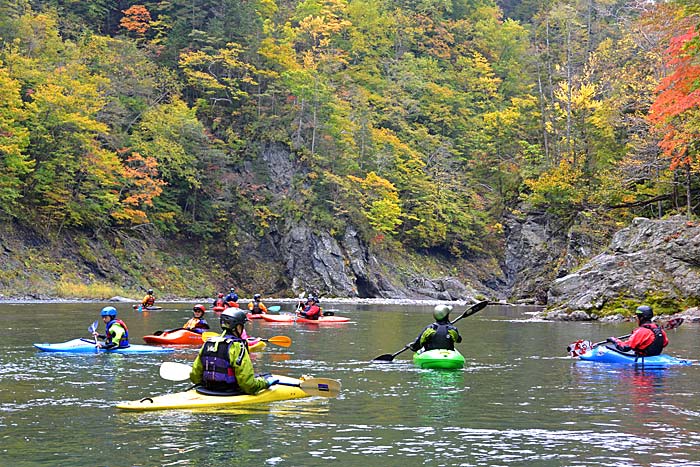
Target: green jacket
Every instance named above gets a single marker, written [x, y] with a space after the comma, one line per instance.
[243, 369]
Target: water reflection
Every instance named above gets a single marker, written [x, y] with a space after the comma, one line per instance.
[439, 394]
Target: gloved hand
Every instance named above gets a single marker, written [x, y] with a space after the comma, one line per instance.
[270, 380]
[611, 340]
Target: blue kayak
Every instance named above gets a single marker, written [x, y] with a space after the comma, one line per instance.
[603, 354]
[88, 346]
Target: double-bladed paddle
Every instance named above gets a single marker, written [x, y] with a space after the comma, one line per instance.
[580, 347]
[282, 341]
[322, 387]
[475, 308]
[92, 329]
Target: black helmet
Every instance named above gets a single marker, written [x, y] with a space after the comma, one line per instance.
[644, 313]
[257, 297]
[230, 319]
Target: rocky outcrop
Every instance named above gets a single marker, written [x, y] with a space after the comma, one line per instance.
[650, 257]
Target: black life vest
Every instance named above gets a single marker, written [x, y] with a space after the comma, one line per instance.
[441, 339]
[256, 308]
[219, 374]
[657, 345]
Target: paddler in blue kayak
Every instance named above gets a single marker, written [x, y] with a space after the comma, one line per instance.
[223, 364]
[648, 340]
[439, 335]
[197, 323]
[116, 333]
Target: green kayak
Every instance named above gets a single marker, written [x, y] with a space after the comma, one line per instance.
[438, 359]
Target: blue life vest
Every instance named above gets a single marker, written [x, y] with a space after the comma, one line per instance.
[124, 341]
[219, 374]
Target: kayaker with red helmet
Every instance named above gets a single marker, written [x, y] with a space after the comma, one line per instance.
[311, 309]
[648, 340]
[439, 335]
[257, 307]
[197, 323]
[219, 302]
[223, 364]
[116, 333]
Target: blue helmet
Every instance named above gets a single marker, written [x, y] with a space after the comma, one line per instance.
[109, 311]
[644, 313]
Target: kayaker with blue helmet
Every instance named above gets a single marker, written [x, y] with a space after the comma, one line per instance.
[257, 307]
[116, 333]
[439, 335]
[648, 340]
[223, 364]
[232, 298]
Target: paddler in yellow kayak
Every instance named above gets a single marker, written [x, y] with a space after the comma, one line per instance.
[223, 364]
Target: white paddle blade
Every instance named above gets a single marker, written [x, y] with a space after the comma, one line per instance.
[322, 387]
[173, 371]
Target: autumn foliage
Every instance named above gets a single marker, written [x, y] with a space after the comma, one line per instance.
[136, 20]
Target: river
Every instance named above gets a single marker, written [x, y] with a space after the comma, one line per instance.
[520, 400]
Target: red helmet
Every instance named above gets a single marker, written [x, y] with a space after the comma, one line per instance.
[220, 295]
[199, 307]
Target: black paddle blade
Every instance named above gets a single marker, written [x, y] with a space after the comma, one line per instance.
[386, 358]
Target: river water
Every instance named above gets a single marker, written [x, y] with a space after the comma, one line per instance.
[520, 400]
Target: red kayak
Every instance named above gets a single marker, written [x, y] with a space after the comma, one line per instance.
[255, 316]
[179, 337]
[291, 318]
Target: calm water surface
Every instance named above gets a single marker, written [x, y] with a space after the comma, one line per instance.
[520, 400]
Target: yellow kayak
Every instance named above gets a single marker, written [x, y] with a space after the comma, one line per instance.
[193, 400]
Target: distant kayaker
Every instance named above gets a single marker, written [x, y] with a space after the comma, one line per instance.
[149, 299]
[232, 298]
[219, 301]
[257, 307]
[224, 364]
[197, 323]
[439, 335]
[116, 333]
[311, 309]
[648, 340]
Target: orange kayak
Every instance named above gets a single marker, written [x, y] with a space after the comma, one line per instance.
[179, 337]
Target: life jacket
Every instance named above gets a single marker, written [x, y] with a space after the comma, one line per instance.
[124, 341]
[194, 323]
[219, 374]
[232, 305]
[441, 339]
[657, 345]
[219, 302]
[148, 300]
[312, 312]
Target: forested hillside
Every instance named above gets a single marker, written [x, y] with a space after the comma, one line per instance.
[215, 128]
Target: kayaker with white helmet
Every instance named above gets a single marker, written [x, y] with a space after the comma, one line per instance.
[439, 335]
[232, 298]
[648, 340]
[223, 364]
[116, 333]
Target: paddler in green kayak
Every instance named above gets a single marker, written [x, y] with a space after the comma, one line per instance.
[223, 365]
[439, 335]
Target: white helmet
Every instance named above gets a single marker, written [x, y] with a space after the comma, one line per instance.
[441, 312]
